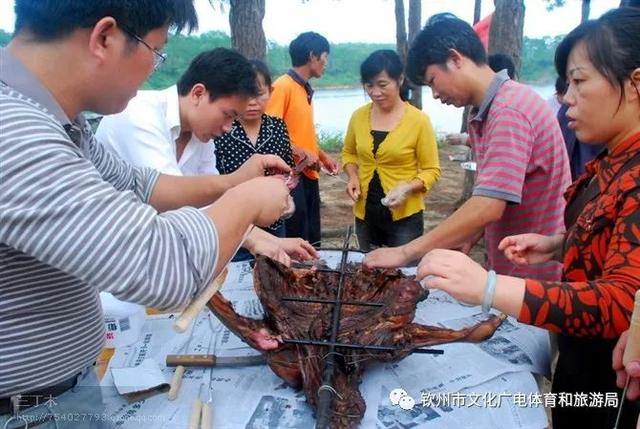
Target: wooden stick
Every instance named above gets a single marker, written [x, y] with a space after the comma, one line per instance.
[196, 306]
[207, 412]
[194, 420]
[176, 381]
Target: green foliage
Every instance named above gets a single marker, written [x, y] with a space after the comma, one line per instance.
[4, 38]
[330, 142]
[344, 61]
[180, 51]
[537, 60]
[552, 4]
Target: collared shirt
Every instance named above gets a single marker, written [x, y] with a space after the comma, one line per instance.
[303, 83]
[74, 220]
[234, 148]
[290, 101]
[522, 160]
[602, 255]
[144, 135]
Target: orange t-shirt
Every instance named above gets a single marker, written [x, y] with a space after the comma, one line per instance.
[289, 101]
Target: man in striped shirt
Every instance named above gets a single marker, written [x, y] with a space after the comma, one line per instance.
[75, 220]
[522, 166]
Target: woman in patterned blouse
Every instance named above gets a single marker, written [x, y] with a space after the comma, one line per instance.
[600, 251]
[254, 133]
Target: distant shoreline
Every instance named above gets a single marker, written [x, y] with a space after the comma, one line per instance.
[544, 82]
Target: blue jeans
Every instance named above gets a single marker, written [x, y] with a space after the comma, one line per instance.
[78, 408]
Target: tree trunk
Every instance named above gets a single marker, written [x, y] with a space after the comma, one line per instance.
[415, 19]
[477, 10]
[401, 32]
[586, 9]
[505, 35]
[247, 34]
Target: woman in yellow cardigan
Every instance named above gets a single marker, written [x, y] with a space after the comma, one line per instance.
[391, 157]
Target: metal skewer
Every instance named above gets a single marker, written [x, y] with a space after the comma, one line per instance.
[360, 346]
[326, 390]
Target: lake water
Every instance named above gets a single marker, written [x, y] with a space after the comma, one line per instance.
[333, 108]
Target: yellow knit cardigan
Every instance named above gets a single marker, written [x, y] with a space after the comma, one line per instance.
[408, 152]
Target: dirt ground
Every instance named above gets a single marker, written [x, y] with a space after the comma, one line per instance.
[337, 207]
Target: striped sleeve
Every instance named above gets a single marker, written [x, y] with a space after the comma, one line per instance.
[57, 208]
[503, 167]
[119, 173]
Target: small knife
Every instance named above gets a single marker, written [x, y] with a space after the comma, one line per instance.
[207, 361]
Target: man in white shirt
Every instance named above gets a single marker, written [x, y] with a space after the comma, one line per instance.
[171, 131]
[147, 133]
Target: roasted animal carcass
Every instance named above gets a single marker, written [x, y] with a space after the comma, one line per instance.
[303, 365]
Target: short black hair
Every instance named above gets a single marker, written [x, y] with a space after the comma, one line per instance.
[388, 61]
[54, 19]
[307, 44]
[612, 43]
[379, 61]
[223, 72]
[262, 69]
[499, 62]
[433, 44]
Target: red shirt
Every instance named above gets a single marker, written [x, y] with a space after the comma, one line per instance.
[602, 258]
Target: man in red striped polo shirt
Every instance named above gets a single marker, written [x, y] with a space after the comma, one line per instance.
[522, 165]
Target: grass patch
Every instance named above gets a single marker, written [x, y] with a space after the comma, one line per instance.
[330, 141]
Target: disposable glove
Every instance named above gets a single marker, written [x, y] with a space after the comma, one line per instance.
[397, 195]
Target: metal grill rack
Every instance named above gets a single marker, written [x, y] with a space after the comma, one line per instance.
[327, 391]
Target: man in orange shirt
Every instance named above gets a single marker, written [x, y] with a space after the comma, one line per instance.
[291, 100]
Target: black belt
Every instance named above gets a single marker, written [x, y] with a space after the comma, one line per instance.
[37, 397]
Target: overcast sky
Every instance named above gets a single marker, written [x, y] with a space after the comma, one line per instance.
[369, 20]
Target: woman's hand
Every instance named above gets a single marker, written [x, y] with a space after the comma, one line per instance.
[529, 249]
[631, 370]
[387, 257]
[397, 195]
[455, 273]
[260, 242]
[261, 245]
[298, 249]
[256, 167]
[353, 187]
[328, 163]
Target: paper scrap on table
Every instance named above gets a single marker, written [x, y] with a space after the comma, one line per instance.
[145, 377]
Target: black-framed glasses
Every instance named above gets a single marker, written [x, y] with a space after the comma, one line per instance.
[158, 57]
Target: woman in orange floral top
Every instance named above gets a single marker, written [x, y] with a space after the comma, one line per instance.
[600, 251]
